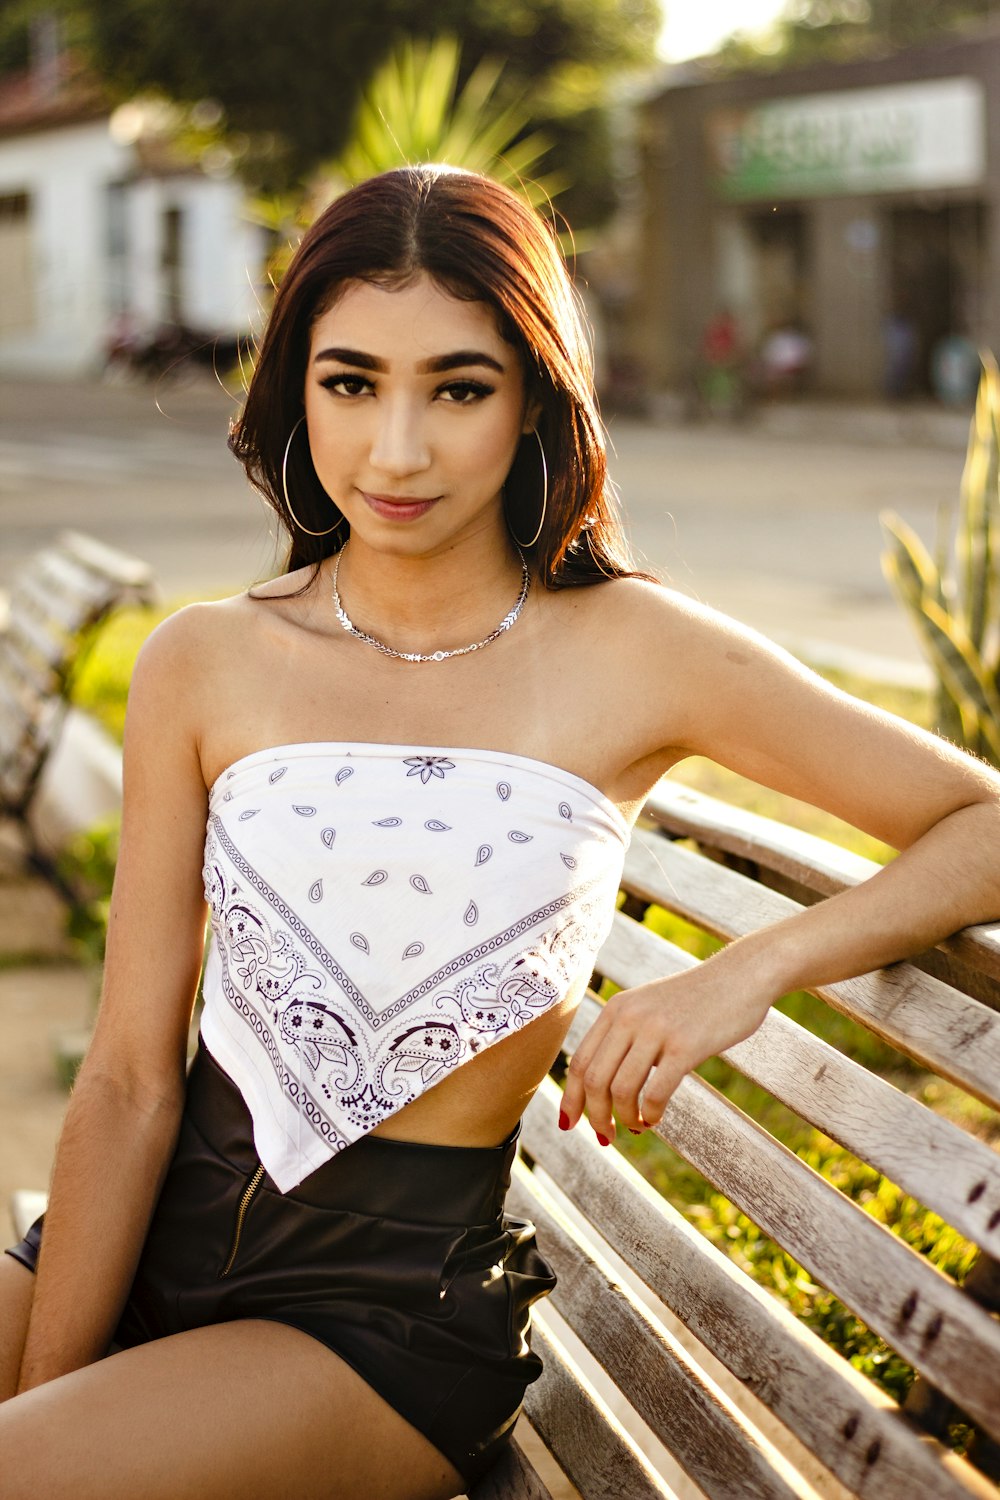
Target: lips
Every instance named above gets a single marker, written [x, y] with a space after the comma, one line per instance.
[398, 507]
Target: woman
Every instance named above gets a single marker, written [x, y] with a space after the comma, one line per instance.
[417, 755]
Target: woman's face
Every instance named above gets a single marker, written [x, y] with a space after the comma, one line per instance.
[415, 406]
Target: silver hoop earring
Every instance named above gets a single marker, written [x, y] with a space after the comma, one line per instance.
[284, 488]
[545, 497]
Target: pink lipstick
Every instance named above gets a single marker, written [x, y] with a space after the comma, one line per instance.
[397, 507]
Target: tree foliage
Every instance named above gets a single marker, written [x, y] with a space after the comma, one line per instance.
[413, 111]
[842, 30]
[289, 74]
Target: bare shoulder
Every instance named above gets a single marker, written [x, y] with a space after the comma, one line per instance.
[707, 665]
[179, 651]
[180, 673]
[652, 629]
[196, 639]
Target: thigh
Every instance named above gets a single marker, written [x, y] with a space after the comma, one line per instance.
[250, 1409]
[17, 1288]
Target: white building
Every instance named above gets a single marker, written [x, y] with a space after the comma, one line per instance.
[92, 231]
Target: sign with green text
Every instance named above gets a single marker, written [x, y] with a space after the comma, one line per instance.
[907, 135]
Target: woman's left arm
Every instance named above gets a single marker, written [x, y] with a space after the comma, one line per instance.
[751, 707]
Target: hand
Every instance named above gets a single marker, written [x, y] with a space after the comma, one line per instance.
[647, 1038]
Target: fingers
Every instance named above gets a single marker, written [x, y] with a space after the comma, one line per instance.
[613, 1066]
[592, 1069]
[660, 1090]
[647, 1039]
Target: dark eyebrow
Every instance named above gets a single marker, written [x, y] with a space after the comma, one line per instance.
[352, 357]
[461, 359]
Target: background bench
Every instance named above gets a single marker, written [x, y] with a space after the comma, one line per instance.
[686, 1350]
[668, 1370]
[56, 605]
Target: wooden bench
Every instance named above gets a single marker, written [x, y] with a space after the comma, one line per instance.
[56, 604]
[668, 1370]
[685, 1350]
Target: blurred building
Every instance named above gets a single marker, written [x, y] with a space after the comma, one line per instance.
[105, 233]
[854, 208]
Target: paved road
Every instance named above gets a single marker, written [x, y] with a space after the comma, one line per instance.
[779, 529]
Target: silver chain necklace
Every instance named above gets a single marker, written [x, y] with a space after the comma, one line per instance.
[372, 640]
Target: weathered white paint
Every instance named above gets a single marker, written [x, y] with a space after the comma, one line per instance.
[82, 280]
[64, 173]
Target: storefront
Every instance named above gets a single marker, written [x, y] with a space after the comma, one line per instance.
[852, 208]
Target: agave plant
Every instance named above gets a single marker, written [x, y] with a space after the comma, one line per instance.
[954, 597]
[413, 111]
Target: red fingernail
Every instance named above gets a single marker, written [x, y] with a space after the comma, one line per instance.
[563, 1120]
[603, 1139]
[634, 1132]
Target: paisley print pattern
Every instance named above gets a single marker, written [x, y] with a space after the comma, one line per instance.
[337, 990]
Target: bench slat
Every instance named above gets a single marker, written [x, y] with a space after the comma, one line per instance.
[933, 1160]
[583, 1436]
[39, 598]
[22, 712]
[26, 1206]
[803, 857]
[709, 1437]
[954, 1035]
[37, 682]
[511, 1478]
[15, 723]
[18, 772]
[55, 604]
[128, 572]
[809, 861]
[842, 1417]
[947, 1336]
[78, 586]
[26, 637]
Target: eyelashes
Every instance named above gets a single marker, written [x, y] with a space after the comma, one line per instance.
[357, 384]
[455, 392]
[473, 390]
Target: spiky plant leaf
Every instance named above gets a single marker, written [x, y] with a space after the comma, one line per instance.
[952, 653]
[911, 550]
[411, 113]
[975, 542]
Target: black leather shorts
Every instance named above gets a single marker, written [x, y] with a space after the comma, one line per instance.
[395, 1254]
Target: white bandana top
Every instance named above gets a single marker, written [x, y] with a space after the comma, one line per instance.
[381, 914]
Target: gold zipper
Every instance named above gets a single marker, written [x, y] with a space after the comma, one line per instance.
[241, 1214]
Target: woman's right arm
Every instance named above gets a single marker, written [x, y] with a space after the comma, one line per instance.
[123, 1115]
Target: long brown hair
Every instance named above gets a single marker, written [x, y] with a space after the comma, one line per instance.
[482, 243]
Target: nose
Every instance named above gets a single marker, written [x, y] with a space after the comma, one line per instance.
[399, 445]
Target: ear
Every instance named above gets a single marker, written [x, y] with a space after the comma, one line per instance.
[532, 412]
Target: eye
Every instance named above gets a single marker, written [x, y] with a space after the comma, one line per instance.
[346, 385]
[465, 392]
